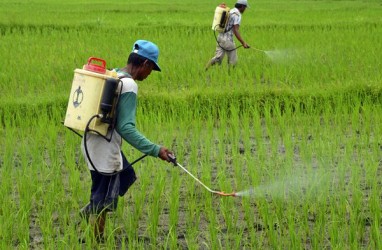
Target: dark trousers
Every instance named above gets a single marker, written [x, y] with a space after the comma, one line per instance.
[106, 188]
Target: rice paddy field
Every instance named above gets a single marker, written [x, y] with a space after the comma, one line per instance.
[295, 129]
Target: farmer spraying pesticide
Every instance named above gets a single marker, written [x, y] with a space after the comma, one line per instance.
[102, 104]
[227, 26]
[110, 171]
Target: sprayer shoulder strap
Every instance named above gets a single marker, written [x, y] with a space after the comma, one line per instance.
[230, 15]
[124, 76]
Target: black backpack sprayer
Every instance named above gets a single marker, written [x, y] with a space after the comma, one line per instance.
[91, 109]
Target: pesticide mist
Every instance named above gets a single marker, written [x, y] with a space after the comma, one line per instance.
[289, 187]
[282, 55]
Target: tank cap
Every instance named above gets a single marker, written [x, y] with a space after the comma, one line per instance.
[96, 67]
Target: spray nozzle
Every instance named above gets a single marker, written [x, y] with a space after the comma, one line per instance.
[172, 159]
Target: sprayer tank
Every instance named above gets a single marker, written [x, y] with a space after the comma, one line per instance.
[220, 18]
[85, 99]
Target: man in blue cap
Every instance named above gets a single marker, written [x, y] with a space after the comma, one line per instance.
[108, 181]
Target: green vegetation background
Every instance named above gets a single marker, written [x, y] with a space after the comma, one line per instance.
[327, 64]
[324, 49]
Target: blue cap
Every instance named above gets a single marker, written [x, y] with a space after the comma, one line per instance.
[148, 50]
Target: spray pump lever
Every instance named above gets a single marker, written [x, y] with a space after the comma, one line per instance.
[172, 159]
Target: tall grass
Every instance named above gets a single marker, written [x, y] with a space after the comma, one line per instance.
[294, 129]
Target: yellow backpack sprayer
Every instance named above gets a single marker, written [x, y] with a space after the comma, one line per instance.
[221, 18]
[93, 93]
[92, 102]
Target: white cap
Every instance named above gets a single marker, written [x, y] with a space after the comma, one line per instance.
[243, 2]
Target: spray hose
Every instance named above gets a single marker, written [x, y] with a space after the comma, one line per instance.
[172, 159]
[216, 38]
[87, 130]
[229, 50]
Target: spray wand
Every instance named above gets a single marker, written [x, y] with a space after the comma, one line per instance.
[260, 50]
[172, 159]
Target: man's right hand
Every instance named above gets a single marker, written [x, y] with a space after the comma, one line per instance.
[163, 154]
[246, 46]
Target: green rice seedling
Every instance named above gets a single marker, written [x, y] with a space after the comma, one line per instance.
[155, 210]
[174, 205]
[294, 127]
